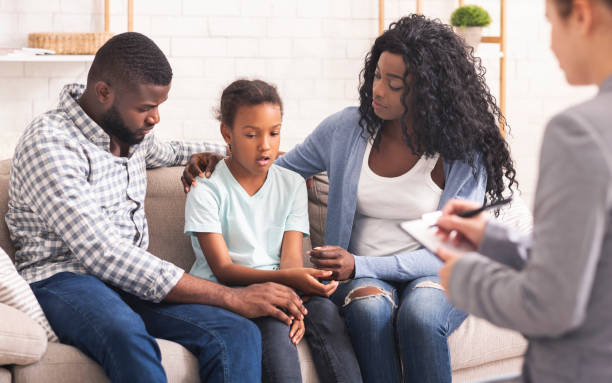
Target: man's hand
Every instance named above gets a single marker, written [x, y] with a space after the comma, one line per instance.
[267, 299]
[199, 165]
[469, 229]
[449, 258]
[305, 280]
[335, 259]
[296, 333]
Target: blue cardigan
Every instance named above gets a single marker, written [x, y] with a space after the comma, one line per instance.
[337, 146]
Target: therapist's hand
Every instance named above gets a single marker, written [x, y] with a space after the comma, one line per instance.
[449, 258]
[469, 229]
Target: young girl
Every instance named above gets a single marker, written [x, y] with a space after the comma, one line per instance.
[247, 221]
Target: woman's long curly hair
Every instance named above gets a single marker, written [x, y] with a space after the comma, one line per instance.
[447, 101]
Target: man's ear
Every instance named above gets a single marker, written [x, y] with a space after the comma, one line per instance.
[104, 93]
[226, 132]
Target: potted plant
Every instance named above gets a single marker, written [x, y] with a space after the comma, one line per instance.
[468, 21]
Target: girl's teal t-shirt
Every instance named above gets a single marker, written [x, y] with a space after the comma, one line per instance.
[252, 226]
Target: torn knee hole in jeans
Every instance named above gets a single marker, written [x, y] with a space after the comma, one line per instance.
[430, 284]
[367, 292]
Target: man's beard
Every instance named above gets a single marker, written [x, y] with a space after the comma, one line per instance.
[113, 124]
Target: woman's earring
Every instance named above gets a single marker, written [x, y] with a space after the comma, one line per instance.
[229, 148]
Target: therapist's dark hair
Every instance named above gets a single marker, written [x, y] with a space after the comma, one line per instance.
[245, 93]
[565, 6]
[448, 106]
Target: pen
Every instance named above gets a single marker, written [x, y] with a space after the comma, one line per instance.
[471, 213]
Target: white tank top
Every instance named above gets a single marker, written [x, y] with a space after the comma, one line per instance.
[384, 202]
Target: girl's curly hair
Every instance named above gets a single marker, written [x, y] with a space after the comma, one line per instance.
[447, 100]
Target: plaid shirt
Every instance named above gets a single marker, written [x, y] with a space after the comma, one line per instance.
[74, 206]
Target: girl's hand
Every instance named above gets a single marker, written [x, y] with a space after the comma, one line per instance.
[305, 280]
[296, 333]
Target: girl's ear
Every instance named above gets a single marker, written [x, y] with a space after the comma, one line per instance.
[226, 132]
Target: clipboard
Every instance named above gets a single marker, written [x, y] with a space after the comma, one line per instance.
[424, 232]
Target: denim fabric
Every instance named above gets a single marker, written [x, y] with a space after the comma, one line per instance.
[400, 333]
[330, 345]
[280, 362]
[326, 334]
[118, 330]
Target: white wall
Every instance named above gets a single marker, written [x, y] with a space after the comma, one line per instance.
[312, 49]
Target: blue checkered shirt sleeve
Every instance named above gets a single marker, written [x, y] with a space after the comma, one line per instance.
[54, 183]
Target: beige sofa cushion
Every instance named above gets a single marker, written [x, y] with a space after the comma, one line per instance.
[66, 364]
[15, 292]
[22, 340]
[477, 342]
[5, 375]
[165, 212]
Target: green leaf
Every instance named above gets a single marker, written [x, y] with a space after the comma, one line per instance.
[470, 16]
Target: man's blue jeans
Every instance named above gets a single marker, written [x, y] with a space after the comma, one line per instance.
[400, 329]
[118, 330]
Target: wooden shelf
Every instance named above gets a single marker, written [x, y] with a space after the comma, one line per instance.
[47, 58]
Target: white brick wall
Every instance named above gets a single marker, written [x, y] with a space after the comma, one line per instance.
[312, 49]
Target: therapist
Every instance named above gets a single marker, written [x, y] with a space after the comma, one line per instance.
[555, 288]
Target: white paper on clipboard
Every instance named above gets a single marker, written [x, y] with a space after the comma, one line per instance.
[424, 233]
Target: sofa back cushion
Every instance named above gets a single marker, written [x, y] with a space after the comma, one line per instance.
[318, 194]
[165, 212]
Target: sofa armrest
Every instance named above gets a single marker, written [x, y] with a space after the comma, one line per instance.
[22, 340]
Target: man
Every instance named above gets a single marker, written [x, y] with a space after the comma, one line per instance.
[76, 215]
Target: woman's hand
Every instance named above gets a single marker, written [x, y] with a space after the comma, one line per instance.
[199, 165]
[334, 259]
[305, 280]
[296, 333]
[469, 229]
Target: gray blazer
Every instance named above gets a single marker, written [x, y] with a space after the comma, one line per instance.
[556, 286]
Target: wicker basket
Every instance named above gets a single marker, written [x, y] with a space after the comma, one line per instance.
[69, 43]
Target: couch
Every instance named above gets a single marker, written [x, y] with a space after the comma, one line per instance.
[478, 349]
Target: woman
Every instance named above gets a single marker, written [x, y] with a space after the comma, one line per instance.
[426, 131]
[554, 288]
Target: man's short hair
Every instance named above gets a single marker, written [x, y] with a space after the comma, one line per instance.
[128, 59]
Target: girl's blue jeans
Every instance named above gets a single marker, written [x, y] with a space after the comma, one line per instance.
[329, 343]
